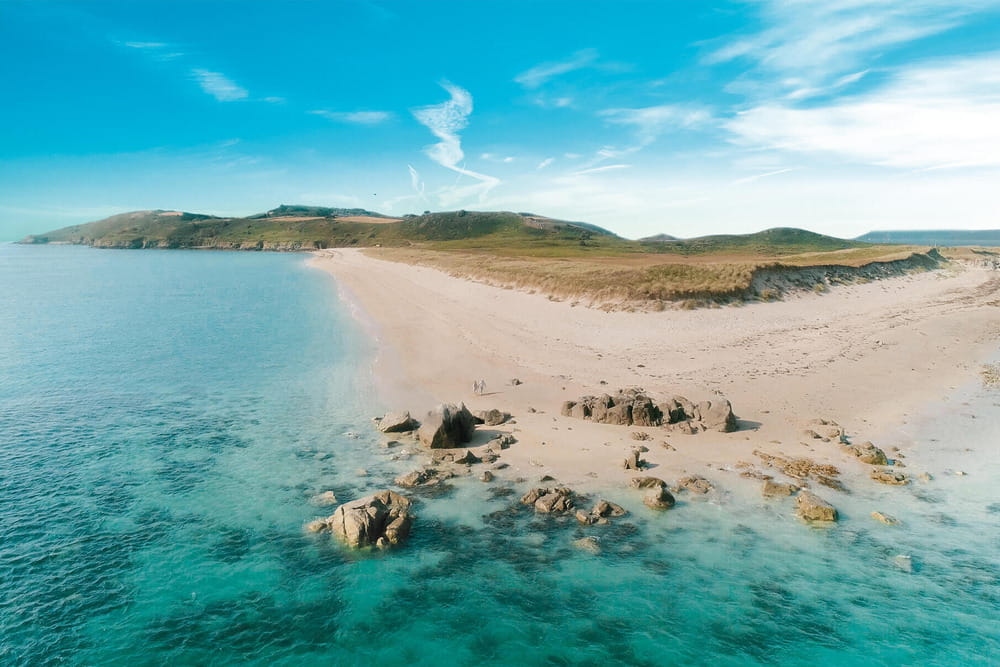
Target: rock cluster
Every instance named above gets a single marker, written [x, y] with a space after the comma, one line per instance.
[631, 407]
[773, 489]
[803, 468]
[868, 453]
[600, 513]
[559, 500]
[381, 520]
[889, 477]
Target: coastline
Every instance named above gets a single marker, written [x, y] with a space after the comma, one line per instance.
[871, 357]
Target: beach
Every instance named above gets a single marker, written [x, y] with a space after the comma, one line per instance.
[871, 357]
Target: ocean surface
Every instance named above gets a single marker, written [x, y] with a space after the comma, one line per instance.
[167, 416]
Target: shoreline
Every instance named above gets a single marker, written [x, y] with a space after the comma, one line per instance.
[871, 357]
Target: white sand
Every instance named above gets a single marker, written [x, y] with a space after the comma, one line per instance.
[868, 356]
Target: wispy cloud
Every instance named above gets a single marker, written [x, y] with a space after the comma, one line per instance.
[446, 121]
[932, 116]
[219, 86]
[809, 45]
[650, 122]
[597, 170]
[145, 45]
[757, 177]
[355, 117]
[540, 74]
[545, 163]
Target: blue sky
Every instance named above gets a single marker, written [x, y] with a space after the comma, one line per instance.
[671, 116]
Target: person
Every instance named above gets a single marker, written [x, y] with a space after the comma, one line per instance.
[482, 387]
[475, 387]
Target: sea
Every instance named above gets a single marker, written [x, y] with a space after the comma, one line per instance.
[167, 419]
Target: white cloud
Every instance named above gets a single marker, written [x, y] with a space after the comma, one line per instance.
[651, 122]
[545, 163]
[355, 117]
[446, 121]
[145, 45]
[937, 115]
[540, 74]
[219, 86]
[756, 177]
[810, 44]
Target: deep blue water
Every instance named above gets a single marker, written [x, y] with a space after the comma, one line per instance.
[166, 416]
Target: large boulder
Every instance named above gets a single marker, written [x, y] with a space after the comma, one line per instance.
[658, 498]
[811, 507]
[717, 415]
[646, 482]
[645, 412]
[777, 489]
[550, 501]
[381, 519]
[447, 426]
[492, 417]
[397, 422]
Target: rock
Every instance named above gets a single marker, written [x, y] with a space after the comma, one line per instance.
[492, 417]
[809, 433]
[579, 410]
[633, 462]
[604, 509]
[567, 408]
[447, 426]
[411, 479]
[531, 496]
[363, 522]
[925, 477]
[961, 473]
[867, 453]
[658, 498]
[641, 435]
[777, 489]
[717, 415]
[584, 518]
[618, 415]
[826, 429]
[695, 484]
[646, 482]
[325, 498]
[556, 501]
[502, 441]
[811, 507]
[645, 412]
[468, 458]
[903, 562]
[683, 428]
[487, 476]
[885, 518]
[588, 544]
[317, 526]
[396, 422]
[889, 477]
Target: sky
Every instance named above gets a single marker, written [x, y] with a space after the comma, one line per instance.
[668, 116]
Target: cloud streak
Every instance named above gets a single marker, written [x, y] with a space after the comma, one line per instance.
[539, 75]
[446, 121]
[219, 86]
[355, 117]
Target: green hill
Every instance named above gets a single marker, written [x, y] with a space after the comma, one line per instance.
[290, 227]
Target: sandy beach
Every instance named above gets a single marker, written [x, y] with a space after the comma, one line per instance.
[870, 356]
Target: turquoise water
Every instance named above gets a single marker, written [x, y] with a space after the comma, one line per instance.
[166, 416]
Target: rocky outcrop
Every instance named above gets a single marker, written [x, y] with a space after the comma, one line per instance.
[889, 477]
[868, 453]
[633, 461]
[631, 407]
[381, 520]
[396, 422]
[811, 507]
[887, 519]
[658, 498]
[694, 484]
[559, 500]
[492, 417]
[773, 489]
[447, 426]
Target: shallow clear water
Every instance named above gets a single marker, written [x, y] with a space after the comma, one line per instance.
[165, 418]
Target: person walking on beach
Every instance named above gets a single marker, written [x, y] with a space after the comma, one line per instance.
[482, 387]
[475, 387]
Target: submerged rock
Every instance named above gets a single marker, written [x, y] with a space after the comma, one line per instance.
[589, 544]
[381, 519]
[605, 509]
[889, 477]
[447, 426]
[777, 489]
[903, 562]
[887, 519]
[811, 507]
[325, 498]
